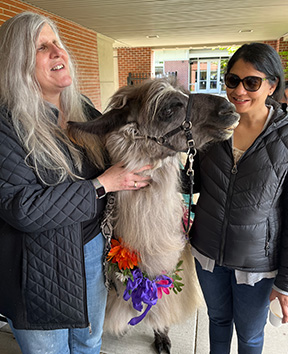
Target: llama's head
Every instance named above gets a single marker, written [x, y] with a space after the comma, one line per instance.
[151, 111]
[213, 117]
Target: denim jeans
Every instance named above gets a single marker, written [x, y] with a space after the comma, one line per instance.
[228, 302]
[79, 340]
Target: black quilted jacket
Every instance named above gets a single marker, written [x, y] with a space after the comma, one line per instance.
[241, 215]
[42, 277]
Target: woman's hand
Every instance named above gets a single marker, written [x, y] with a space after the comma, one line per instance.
[117, 178]
[283, 299]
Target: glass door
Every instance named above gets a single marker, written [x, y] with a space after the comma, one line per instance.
[203, 76]
[209, 75]
[214, 76]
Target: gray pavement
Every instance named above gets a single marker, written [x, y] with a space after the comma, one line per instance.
[190, 337]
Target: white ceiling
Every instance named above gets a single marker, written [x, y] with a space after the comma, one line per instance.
[178, 23]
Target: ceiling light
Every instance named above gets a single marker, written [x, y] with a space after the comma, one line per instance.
[245, 31]
[152, 36]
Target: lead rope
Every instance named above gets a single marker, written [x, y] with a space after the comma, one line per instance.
[107, 232]
[190, 173]
[189, 162]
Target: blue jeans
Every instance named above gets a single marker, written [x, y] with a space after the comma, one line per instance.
[78, 340]
[228, 302]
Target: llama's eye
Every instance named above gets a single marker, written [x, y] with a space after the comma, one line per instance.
[169, 112]
[166, 114]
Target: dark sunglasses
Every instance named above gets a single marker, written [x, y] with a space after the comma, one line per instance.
[250, 83]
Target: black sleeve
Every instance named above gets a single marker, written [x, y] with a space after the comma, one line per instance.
[281, 280]
[27, 204]
[90, 111]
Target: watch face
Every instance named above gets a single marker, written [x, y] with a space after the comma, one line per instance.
[100, 192]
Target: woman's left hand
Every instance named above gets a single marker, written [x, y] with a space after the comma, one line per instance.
[283, 299]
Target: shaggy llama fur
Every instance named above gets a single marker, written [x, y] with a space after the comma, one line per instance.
[149, 220]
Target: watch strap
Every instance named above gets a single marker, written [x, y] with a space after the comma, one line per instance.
[100, 190]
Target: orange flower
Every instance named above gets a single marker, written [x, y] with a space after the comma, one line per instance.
[122, 256]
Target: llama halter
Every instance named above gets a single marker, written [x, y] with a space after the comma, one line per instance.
[186, 126]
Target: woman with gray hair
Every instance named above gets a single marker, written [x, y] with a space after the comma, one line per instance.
[51, 198]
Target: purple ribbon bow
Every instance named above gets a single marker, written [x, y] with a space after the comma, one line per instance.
[142, 289]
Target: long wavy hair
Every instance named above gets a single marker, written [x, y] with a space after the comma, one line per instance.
[21, 94]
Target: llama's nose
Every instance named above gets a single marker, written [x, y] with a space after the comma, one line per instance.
[227, 108]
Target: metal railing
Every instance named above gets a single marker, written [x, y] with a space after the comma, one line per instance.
[134, 79]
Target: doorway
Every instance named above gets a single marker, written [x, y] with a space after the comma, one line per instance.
[206, 76]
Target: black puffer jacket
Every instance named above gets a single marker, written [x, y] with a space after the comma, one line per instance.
[240, 215]
[42, 276]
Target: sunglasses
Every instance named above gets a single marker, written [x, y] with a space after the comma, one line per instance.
[250, 83]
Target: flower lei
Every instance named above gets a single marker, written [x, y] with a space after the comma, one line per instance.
[139, 287]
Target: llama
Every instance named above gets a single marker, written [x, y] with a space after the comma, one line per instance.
[145, 125]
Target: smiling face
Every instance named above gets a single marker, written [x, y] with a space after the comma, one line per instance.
[248, 102]
[52, 69]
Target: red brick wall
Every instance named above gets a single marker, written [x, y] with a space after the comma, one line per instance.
[281, 46]
[182, 68]
[135, 60]
[274, 44]
[81, 42]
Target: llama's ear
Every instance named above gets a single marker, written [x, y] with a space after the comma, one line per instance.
[102, 125]
[114, 119]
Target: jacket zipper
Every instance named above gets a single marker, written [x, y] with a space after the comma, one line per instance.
[234, 171]
[267, 241]
[85, 285]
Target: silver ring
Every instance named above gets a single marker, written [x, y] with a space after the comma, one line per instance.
[135, 184]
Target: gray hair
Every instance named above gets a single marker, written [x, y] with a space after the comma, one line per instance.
[21, 93]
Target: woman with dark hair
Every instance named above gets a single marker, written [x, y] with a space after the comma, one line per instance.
[51, 198]
[239, 235]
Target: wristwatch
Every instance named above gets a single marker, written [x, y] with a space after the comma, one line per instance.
[100, 190]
